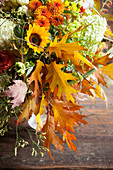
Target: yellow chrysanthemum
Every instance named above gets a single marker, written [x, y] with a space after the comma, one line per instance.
[42, 21]
[55, 6]
[37, 37]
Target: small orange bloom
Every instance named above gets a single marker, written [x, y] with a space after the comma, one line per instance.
[56, 6]
[57, 20]
[43, 10]
[33, 4]
[42, 21]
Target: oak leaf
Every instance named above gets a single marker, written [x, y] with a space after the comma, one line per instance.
[29, 107]
[51, 137]
[17, 91]
[36, 76]
[102, 60]
[100, 77]
[60, 79]
[108, 70]
[43, 105]
[64, 116]
[59, 47]
[69, 137]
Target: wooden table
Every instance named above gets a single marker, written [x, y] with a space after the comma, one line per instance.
[94, 143]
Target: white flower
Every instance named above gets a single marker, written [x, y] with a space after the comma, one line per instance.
[6, 31]
[32, 121]
[23, 2]
[92, 35]
[88, 4]
[24, 9]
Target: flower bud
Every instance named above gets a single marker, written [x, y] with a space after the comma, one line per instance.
[20, 68]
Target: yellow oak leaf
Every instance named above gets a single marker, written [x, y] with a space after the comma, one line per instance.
[43, 104]
[97, 91]
[108, 70]
[59, 47]
[60, 79]
[78, 56]
[35, 76]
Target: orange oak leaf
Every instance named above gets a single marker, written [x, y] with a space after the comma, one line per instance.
[100, 77]
[27, 108]
[85, 87]
[51, 137]
[102, 60]
[66, 117]
[69, 137]
[35, 76]
[60, 79]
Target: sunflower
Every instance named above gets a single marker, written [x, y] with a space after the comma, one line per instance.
[33, 4]
[42, 21]
[37, 37]
[43, 10]
[55, 6]
[57, 20]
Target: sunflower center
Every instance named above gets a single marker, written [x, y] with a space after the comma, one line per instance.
[35, 39]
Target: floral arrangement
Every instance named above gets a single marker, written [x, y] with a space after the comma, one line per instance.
[51, 57]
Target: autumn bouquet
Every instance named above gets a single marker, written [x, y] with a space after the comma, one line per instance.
[50, 58]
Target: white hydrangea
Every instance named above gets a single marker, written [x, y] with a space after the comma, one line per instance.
[23, 2]
[20, 2]
[88, 4]
[6, 31]
[94, 33]
[24, 9]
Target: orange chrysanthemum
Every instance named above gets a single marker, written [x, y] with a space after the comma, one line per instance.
[55, 6]
[57, 20]
[33, 4]
[42, 21]
[43, 10]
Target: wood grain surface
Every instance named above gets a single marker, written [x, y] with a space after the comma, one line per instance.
[94, 143]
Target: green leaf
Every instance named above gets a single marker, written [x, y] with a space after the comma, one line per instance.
[18, 31]
[67, 12]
